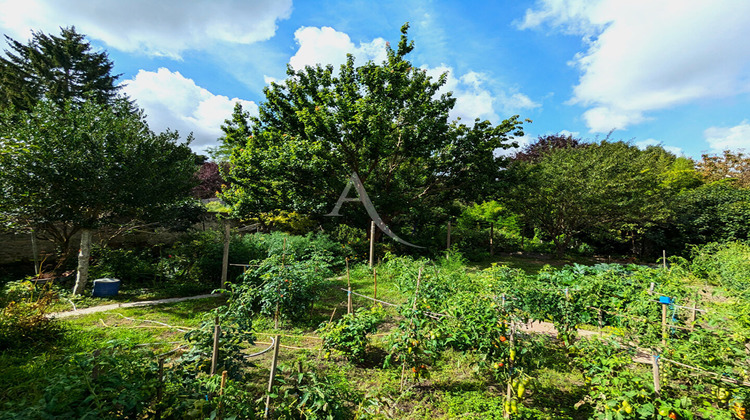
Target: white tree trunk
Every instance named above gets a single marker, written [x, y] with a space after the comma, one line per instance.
[83, 262]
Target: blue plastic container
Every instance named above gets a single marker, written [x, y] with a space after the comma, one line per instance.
[665, 300]
[106, 287]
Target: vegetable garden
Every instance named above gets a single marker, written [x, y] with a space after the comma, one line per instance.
[440, 340]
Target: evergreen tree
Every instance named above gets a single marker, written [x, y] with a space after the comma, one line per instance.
[60, 68]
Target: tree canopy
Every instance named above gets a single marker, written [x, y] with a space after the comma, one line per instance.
[59, 68]
[81, 167]
[607, 188]
[387, 122]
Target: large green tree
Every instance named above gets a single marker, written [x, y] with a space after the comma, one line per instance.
[59, 68]
[77, 168]
[388, 122]
[608, 188]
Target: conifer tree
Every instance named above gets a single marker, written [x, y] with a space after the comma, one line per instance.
[60, 68]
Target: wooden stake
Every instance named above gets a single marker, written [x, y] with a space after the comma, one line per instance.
[375, 280]
[599, 314]
[492, 234]
[160, 390]
[413, 307]
[332, 314]
[448, 238]
[225, 259]
[215, 355]
[348, 289]
[663, 326]
[509, 390]
[664, 258]
[223, 382]
[35, 251]
[691, 321]
[272, 376]
[651, 288]
[372, 242]
[657, 379]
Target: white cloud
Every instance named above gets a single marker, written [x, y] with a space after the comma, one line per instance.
[644, 56]
[328, 46]
[728, 138]
[162, 28]
[643, 144]
[474, 99]
[172, 101]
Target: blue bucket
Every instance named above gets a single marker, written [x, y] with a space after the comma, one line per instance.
[106, 287]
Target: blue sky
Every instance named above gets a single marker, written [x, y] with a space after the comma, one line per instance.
[670, 72]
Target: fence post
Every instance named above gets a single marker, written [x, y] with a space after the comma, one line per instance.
[215, 355]
[375, 279]
[273, 373]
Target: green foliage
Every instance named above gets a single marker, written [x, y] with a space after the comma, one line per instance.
[386, 121]
[348, 334]
[113, 383]
[611, 190]
[309, 395]
[128, 265]
[89, 165]
[715, 212]
[58, 68]
[23, 320]
[726, 264]
[236, 325]
[284, 284]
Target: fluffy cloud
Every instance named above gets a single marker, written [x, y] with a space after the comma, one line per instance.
[173, 101]
[474, 99]
[644, 56]
[728, 138]
[328, 46]
[164, 27]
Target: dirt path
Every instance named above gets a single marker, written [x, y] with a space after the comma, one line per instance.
[641, 356]
[103, 308]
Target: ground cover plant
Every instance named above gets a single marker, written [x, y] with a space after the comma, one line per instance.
[446, 340]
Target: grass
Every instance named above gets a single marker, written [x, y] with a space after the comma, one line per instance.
[454, 390]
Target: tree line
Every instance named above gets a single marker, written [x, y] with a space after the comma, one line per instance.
[77, 155]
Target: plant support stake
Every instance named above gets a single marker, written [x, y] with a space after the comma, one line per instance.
[372, 242]
[215, 355]
[273, 373]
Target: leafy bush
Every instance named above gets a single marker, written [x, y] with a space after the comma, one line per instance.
[308, 395]
[726, 264]
[23, 320]
[128, 265]
[285, 284]
[348, 335]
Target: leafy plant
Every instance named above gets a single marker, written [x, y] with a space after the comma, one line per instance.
[348, 334]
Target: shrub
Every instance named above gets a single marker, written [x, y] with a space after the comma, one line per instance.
[23, 320]
[348, 335]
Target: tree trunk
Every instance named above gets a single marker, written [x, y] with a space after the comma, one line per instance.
[83, 262]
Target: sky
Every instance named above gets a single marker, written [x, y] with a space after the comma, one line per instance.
[668, 72]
